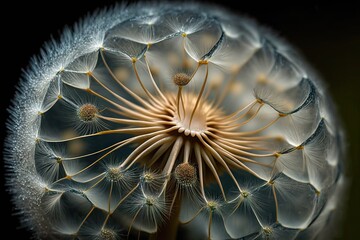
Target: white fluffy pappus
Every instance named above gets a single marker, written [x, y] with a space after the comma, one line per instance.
[251, 126]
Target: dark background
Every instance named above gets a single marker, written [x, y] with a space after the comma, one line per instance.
[327, 34]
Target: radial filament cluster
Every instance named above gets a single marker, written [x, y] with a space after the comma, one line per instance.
[175, 118]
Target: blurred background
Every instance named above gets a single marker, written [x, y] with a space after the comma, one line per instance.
[328, 35]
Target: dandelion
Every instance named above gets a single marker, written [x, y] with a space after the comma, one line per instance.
[173, 120]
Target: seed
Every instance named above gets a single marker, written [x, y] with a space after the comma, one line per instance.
[114, 174]
[185, 174]
[181, 79]
[107, 234]
[87, 112]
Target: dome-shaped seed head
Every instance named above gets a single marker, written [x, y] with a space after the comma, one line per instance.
[87, 112]
[245, 194]
[181, 79]
[185, 174]
[115, 174]
[104, 133]
[149, 201]
[212, 205]
[108, 234]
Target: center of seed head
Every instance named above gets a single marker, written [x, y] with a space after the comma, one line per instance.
[181, 79]
[212, 205]
[190, 118]
[115, 174]
[149, 201]
[188, 121]
[185, 174]
[108, 234]
[197, 125]
[87, 112]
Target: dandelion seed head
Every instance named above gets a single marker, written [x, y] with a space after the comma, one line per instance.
[267, 231]
[181, 79]
[144, 114]
[245, 194]
[185, 174]
[149, 177]
[87, 112]
[212, 205]
[150, 200]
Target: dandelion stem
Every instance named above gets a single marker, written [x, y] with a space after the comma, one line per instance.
[142, 84]
[134, 122]
[209, 225]
[157, 143]
[132, 221]
[187, 149]
[235, 126]
[179, 96]
[237, 150]
[207, 160]
[218, 157]
[141, 149]
[153, 81]
[95, 184]
[276, 201]
[200, 94]
[127, 111]
[170, 231]
[200, 166]
[173, 155]
[160, 152]
[134, 95]
[84, 220]
[126, 196]
[184, 59]
[125, 101]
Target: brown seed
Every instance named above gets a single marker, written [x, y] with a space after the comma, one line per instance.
[87, 112]
[185, 174]
[181, 79]
[115, 174]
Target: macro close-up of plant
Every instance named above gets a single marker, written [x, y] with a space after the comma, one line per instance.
[173, 122]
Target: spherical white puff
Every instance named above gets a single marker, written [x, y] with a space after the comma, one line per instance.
[245, 63]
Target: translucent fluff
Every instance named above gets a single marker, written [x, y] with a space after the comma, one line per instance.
[173, 120]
